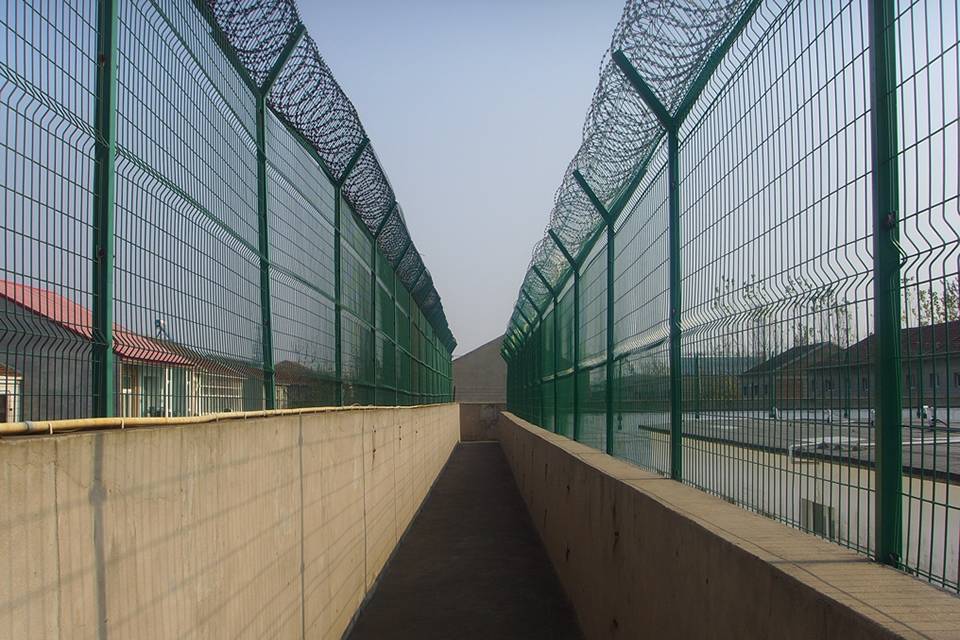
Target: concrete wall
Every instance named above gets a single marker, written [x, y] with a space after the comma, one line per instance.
[643, 556]
[245, 528]
[478, 421]
[481, 375]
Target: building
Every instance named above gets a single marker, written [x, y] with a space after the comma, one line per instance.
[929, 361]
[481, 375]
[46, 360]
[800, 377]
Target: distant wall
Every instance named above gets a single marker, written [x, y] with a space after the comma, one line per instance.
[643, 556]
[478, 421]
[481, 375]
[269, 527]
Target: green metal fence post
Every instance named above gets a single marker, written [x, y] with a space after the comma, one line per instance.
[671, 125]
[608, 218]
[269, 383]
[676, 371]
[263, 222]
[611, 342]
[337, 322]
[104, 194]
[886, 272]
[553, 295]
[538, 369]
[337, 240]
[576, 331]
[374, 290]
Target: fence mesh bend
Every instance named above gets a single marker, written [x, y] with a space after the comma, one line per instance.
[195, 221]
[749, 281]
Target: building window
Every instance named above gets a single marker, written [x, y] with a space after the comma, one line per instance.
[956, 379]
[934, 380]
[746, 391]
[828, 385]
[865, 384]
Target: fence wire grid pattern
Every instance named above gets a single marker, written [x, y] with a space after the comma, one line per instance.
[749, 280]
[195, 221]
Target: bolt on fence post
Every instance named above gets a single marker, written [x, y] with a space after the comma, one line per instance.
[886, 274]
[104, 195]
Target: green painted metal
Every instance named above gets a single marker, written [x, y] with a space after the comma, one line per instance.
[886, 270]
[263, 224]
[224, 45]
[671, 126]
[574, 268]
[285, 54]
[594, 200]
[263, 230]
[676, 380]
[611, 341]
[646, 93]
[609, 219]
[337, 286]
[383, 223]
[796, 331]
[538, 369]
[104, 194]
[693, 94]
[211, 267]
[556, 342]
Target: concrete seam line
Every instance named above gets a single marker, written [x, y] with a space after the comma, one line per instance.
[303, 615]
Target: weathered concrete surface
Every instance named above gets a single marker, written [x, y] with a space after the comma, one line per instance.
[481, 374]
[644, 556]
[471, 565]
[245, 528]
[478, 421]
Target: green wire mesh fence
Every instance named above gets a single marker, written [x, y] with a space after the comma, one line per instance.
[195, 221]
[750, 277]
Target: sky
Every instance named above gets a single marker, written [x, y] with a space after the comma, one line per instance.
[474, 109]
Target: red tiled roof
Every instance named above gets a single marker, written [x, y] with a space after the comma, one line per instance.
[7, 372]
[79, 320]
[940, 339]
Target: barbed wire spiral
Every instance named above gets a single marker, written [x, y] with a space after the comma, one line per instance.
[306, 96]
[668, 42]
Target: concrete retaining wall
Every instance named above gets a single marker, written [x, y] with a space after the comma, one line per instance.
[644, 556]
[273, 527]
[478, 421]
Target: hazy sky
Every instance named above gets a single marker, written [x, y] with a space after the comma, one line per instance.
[475, 109]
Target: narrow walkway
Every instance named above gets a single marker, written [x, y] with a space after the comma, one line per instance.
[471, 565]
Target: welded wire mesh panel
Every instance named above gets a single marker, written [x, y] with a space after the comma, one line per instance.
[223, 281]
[565, 318]
[759, 305]
[929, 131]
[301, 204]
[593, 347]
[772, 320]
[187, 309]
[641, 323]
[47, 102]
